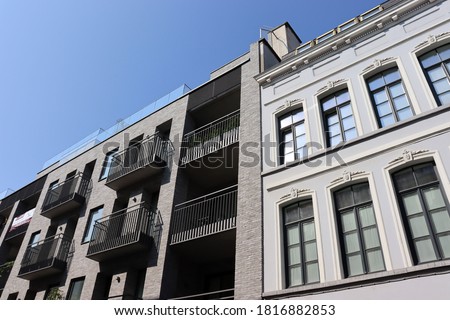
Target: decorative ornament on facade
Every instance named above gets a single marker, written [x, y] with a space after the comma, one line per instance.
[407, 156]
[347, 176]
[433, 39]
[294, 194]
[331, 85]
[378, 63]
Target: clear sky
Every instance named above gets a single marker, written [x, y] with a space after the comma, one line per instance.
[70, 67]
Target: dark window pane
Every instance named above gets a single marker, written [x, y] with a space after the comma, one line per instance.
[306, 210]
[344, 198]
[425, 173]
[291, 213]
[404, 179]
[75, 289]
[361, 193]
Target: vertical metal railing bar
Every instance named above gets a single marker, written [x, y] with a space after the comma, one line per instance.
[122, 228]
[210, 138]
[43, 253]
[65, 191]
[140, 155]
[206, 215]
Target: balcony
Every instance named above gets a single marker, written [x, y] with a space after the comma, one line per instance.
[207, 215]
[47, 257]
[65, 196]
[139, 162]
[124, 232]
[19, 226]
[210, 138]
[5, 270]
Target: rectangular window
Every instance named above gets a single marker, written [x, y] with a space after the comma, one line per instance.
[436, 65]
[75, 288]
[108, 163]
[292, 136]
[338, 118]
[425, 212]
[34, 239]
[94, 215]
[389, 97]
[359, 238]
[301, 258]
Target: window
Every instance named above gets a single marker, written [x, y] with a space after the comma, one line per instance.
[302, 265]
[34, 239]
[108, 163]
[389, 97]
[75, 288]
[338, 118]
[94, 215]
[425, 212]
[292, 136]
[360, 242]
[436, 65]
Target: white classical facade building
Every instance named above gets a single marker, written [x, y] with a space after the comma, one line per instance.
[356, 159]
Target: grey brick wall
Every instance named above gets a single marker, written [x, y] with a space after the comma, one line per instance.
[248, 274]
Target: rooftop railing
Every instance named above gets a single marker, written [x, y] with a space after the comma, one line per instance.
[209, 214]
[210, 138]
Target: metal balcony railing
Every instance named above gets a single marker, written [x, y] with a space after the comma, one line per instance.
[51, 252]
[5, 270]
[17, 231]
[134, 225]
[154, 151]
[74, 188]
[212, 213]
[210, 138]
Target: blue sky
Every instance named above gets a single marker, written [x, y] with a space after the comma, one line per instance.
[68, 68]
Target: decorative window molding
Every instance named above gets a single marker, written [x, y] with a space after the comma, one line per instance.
[295, 193]
[347, 177]
[288, 104]
[330, 85]
[377, 63]
[432, 39]
[407, 156]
